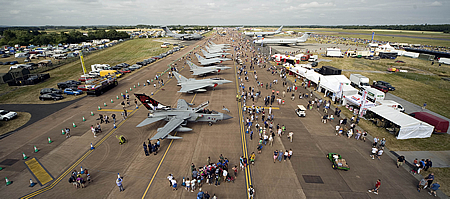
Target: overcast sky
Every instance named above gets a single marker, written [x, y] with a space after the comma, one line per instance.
[223, 12]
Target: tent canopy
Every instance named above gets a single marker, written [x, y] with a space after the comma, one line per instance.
[409, 127]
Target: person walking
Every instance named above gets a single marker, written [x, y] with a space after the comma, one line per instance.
[400, 161]
[433, 188]
[377, 186]
[251, 192]
[119, 184]
[291, 136]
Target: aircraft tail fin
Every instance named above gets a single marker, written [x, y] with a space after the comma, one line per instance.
[212, 43]
[305, 36]
[180, 78]
[200, 58]
[280, 29]
[204, 52]
[167, 30]
[191, 65]
[150, 103]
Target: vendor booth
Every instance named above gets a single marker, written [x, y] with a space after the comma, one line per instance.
[403, 125]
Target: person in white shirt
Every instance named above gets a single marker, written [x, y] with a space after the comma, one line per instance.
[193, 185]
[188, 184]
[380, 152]
[374, 152]
[224, 174]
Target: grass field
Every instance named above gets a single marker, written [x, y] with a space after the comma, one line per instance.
[367, 34]
[441, 175]
[129, 51]
[7, 126]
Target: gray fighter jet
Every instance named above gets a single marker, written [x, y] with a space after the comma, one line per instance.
[213, 55]
[200, 71]
[211, 61]
[216, 49]
[212, 44]
[262, 34]
[197, 85]
[177, 117]
[181, 36]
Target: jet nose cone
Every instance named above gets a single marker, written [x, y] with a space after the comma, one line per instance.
[226, 117]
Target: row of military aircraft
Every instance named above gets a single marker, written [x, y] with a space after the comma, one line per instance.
[178, 117]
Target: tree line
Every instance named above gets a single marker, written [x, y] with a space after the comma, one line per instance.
[26, 37]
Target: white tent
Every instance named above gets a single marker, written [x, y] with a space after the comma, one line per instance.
[409, 127]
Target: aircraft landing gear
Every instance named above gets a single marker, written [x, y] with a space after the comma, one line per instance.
[210, 123]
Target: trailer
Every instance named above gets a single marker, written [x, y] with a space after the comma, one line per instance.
[98, 86]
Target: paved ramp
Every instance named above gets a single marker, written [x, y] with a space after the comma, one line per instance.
[38, 171]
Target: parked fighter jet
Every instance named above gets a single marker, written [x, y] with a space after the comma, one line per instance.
[192, 85]
[282, 41]
[177, 117]
[212, 44]
[212, 55]
[262, 34]
[216, 49]
[205, 70]
[204, 61]
[181, 36]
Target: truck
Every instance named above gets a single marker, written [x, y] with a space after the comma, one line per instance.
[334, 52]
[313, 58]
[111, 73]
[373, 94]
[300, 111]
[358, 80]
[390, 103]
[440, 125]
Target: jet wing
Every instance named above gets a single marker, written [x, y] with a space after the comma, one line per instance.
[182, 104]
[193, 87]
[149, 121]
[169, 127]
[204, 71]
[208, 62]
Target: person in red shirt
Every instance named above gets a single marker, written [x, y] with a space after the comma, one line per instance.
[377, 186]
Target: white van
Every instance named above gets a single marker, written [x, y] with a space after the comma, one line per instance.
[301, 111]
[390, 103]
[373, 94]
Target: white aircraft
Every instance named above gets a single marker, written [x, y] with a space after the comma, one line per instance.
[211, 61]
[262, 34]
[282, 41]
[212, 55]
[200, 71]
[216, 49]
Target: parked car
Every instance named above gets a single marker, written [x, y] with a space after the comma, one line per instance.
[50, 90]
[156, 57]
[6, 63]
[5, 56]
[125, 70]
[14, 62]
[51, 96]
[380, 87]
[116, 67]
[73, 82]
[134, 67]
[141, 63]
[70, 91]
[63, 85]
[388, 85]
[7, 115]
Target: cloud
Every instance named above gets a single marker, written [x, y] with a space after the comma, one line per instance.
[14, 12]
[436, 3]
[309, 5]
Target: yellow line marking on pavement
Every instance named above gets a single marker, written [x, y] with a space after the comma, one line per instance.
[38, 171]
[71, 168]
[114, 110]
[248, 179]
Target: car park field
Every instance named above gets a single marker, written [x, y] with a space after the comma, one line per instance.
[130, 52]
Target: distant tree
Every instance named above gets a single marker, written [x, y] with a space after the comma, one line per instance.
[83, 28]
